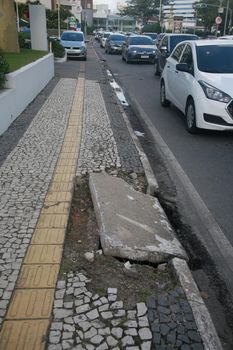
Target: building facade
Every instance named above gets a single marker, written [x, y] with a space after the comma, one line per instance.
[179, 14]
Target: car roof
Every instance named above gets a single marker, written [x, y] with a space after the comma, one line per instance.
[181, 34]
[207, 42]
[72, 31]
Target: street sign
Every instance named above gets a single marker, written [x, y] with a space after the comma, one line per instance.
[218, 20]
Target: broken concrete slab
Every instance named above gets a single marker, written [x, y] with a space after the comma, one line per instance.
[132, 224]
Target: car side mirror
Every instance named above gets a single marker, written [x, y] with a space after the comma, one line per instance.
[183, 67]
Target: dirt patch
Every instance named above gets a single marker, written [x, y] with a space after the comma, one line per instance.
[134, 284]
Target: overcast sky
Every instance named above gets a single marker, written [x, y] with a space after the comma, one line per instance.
[112, 3]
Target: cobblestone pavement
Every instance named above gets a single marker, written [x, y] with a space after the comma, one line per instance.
[98, 148]
[83, 320]
[24, 179]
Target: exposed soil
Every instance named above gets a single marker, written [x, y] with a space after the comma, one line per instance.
[134, 284]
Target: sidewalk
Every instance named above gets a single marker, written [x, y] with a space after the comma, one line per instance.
[90, 304]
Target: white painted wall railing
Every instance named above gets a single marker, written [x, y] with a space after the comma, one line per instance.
[22, 87]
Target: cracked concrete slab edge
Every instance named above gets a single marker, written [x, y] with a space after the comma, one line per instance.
[200, 312]
[152, 184]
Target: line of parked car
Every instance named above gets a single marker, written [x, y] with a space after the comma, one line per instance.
[196, 75]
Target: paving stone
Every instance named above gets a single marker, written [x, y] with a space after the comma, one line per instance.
[162, 300]
[106, 315]
[141, 309]
[117, 332]
[127, 340]
[97, 339]
[68, 328]
[194, 336]
[145, 333]
[91, 333]
[103, 346]
[83, 325]
[104, 307]
[146, 345]
[112, 291]
[111, 341]
[117, 305]
[67, 344]
[93, 314]
[82, 308]
[56, 326]
[131, 331]
[104, 331]
[156, 338]
[164, 329]
[67, 335]
[151, 302]
[62, 313]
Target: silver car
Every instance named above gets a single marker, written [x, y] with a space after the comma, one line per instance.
[74, 44]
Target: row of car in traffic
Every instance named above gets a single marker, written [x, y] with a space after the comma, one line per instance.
[196, 75]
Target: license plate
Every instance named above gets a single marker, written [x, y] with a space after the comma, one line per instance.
[144, 56]
[74, 51]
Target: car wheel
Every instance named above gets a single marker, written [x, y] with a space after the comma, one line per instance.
[190, 117]
[164, 102]
[156, 68]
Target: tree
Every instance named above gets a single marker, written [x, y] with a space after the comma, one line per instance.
[141, 9]
[8, 31]
[206, 11]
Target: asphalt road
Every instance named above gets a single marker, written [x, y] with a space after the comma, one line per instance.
[206, 158]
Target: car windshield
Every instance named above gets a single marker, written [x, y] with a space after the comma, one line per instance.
[176, 39]
[140, 40]
[117, 38]
[215, 59]
[72, 36]
[106, 35]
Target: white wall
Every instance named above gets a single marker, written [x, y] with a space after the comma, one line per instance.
[24, 85]
[38, 27]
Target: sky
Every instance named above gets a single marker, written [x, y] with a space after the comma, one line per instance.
[112, 3]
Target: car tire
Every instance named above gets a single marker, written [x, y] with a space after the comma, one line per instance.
[190, 117]
[156, 68]
[163, 100]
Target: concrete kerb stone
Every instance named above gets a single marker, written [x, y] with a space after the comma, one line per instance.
[152, 184]
[201, 314]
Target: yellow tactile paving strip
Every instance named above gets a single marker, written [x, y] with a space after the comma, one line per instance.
[29, 312]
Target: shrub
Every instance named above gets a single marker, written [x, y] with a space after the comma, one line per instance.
[21, 40]
[4, 68]
[57, 49]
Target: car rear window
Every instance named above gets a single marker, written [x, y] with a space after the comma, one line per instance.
[72, 36]
[117, 37]
[215, 59]
[140, 40]
[174, 40]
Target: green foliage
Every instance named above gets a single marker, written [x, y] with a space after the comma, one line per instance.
[4, 68]
[141, 9]
[152, 28]
[206, 11]
[57, 49]
[52, 18]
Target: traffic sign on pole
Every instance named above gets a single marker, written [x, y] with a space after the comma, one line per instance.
[218, 20]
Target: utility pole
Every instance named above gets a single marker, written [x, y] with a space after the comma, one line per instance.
[225, 23]
[59, 18]
[17, 15]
